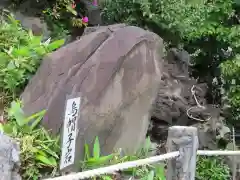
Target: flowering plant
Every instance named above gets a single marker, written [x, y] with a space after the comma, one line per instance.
[79, 20]
[62, 8]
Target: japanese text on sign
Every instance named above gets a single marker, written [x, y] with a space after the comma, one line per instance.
[70, 132]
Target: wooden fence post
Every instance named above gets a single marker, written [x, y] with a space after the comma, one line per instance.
[185, 140]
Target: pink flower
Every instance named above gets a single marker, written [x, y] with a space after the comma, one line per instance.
[73, 5]
[85, 19]
[95, 2]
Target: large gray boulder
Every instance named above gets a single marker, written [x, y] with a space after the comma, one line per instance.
[116, 72]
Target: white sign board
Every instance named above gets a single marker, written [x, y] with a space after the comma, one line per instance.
[70, 132]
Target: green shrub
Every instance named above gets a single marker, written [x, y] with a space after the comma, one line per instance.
[183, 21]
[93, 160]
[39, 152]
[20, 53]
[212, 168]
[231, 85]
[63, 13]
[206, 29]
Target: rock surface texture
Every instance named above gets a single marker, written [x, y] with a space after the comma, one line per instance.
[116, 71]
[9, 159]
[181, 100]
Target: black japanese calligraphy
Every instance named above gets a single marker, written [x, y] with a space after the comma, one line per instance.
[70, 134]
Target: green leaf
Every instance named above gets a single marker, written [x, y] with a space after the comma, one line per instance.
[1, 128]
[49, 151]
[37, 116]
[40, 152]
[55, 45]
[45, 160]
[150, 175]
[70, 9]
[28, 67]
[238, 62]
[38, 119]
[13, 21]
[86, 152]
[23, 51]
[8, 128]
[237, 2]
[17, 112]
[99, 161]
[40, 50]
[46, 133]
[53, 161]
[147, 145]
[15, 130]
[96, 148]
[11, 65]
[36, 40]
[26, 129]
[105, 177]
[160, 172]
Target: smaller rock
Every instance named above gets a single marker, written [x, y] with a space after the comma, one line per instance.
[9, 158]
[37, 25]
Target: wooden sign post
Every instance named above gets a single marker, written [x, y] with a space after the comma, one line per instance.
[69, 135]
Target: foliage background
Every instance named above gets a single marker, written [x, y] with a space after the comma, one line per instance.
[209, 30]
[20, 54]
